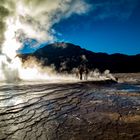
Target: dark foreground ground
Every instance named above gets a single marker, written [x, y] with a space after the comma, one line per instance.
[78, 111]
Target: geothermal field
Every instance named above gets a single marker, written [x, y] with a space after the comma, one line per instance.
[55, 62]
[71, 110]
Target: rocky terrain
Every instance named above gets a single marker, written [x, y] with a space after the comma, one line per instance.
[70, 111]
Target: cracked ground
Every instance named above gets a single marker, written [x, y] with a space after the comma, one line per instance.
[72, 111]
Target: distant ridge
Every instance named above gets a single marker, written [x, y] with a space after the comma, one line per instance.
[66, 56]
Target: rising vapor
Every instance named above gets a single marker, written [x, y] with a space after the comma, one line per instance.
[35, 18]
[31, 19]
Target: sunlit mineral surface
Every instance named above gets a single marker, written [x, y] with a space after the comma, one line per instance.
[65, 110]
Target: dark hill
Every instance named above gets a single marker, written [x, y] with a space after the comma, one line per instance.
[66, 56]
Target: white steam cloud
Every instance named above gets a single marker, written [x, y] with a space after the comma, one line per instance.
[34, 19]
[24, 19]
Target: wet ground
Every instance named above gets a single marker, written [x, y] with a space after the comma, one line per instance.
[73, 111]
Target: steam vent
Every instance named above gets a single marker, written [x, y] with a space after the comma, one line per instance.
[69, 70]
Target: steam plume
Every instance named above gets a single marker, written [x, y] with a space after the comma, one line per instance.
[25, 19]
[35, 18]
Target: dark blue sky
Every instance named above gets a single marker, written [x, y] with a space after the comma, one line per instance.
[111, 26]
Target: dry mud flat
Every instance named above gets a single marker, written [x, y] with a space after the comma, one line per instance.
[79, 111]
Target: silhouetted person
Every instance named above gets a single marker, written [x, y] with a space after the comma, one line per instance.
[86, 73]
[81, 70]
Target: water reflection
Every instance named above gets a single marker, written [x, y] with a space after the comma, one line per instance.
[68, 111]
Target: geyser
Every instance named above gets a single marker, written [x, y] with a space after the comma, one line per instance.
[30, 19]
